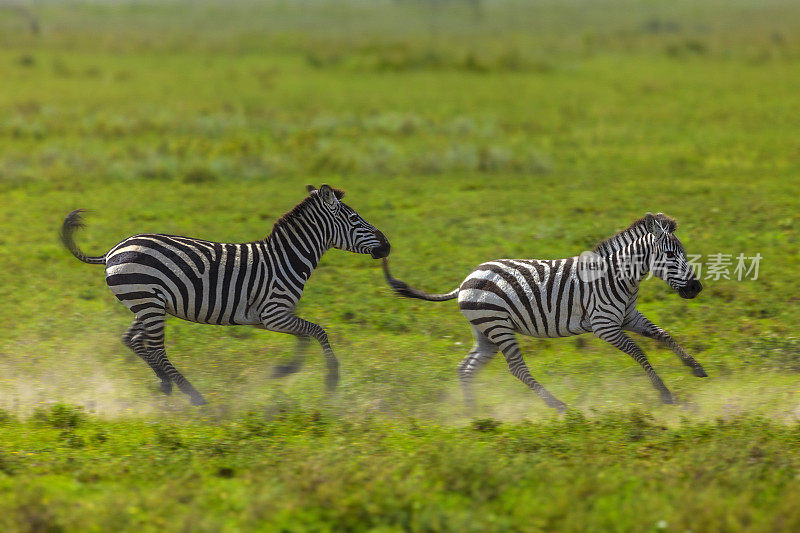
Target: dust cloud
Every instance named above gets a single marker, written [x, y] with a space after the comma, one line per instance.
[109, 382]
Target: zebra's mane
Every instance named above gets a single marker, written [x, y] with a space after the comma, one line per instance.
[632, 232]
[294, 213]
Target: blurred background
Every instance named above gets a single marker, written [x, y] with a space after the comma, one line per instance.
[466, 131]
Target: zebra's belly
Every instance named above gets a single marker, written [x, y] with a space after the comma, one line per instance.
[548, 322]
[554, 329]
[237, 317]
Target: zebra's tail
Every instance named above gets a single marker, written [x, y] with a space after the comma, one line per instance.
[72, 223]
[402, 288]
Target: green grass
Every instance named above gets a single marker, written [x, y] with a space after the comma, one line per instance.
[304, 470]
[520, 130]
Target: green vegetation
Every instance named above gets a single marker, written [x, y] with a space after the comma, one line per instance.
[302, 470]
[465, 131]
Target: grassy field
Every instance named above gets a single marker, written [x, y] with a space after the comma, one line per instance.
[465, 131]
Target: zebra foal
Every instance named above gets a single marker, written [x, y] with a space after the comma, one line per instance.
[592, 293]
[257, 283]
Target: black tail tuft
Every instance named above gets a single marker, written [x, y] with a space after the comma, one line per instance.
[73, 222]
[398, 286]
[403, 289]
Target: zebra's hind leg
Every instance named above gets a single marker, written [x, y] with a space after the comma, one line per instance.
[481, 353]
[507, 342]
[152, 320]
[134, 339]
[303, 342]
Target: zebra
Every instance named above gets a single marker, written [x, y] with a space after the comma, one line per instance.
[257, 283]
[595, 292]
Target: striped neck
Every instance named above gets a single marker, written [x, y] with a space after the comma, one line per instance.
[631, 263]
[300, 238]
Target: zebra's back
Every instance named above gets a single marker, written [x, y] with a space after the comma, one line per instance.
[201, 281]
[541, 298]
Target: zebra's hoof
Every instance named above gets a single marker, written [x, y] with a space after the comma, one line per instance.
[331, 380]
[558, 405]
[666, 398]
[699, 372]
[166, 387]
[284, 370]
[198, 400]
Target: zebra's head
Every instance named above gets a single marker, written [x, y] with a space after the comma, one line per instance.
[350, 232]
[669, 261]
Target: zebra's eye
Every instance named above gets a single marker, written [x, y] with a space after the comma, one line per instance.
[670, 254]
[353, 218]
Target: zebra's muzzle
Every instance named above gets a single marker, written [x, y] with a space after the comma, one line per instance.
[691, 290]
[382, 250]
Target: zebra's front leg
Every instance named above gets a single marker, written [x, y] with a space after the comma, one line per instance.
[289, 323]
[639, 323]
[297, 361]
[618, 339]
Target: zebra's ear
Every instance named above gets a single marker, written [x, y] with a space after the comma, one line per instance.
[328, 195]
[310, 188]
[667, 222]
[652, 225]
[649, 222]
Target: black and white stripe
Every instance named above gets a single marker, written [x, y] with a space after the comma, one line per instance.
[257, 283]
[564, 297]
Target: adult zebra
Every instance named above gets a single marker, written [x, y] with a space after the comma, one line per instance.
[257, 283]
[592, 293]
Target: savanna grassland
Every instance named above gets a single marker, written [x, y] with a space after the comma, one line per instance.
[465, 131]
